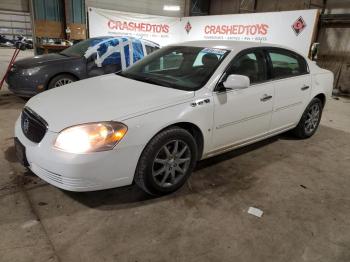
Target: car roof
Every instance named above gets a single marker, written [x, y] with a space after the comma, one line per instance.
[121, 36]
[230, 45]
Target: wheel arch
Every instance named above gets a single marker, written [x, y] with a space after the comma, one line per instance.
[193, 129]
[322, 97]
[60, 73]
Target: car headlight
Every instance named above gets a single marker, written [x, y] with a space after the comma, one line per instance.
[31, 71]
[90, 137]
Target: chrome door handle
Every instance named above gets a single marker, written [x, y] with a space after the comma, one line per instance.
[265, 98]
[305, 87]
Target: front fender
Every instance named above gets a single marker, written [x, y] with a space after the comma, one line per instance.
[141, 129]
[76, 68]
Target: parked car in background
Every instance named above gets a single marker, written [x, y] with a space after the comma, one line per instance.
[92, 57]
[152, 122]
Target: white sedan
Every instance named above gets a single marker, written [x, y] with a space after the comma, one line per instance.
[152, 122]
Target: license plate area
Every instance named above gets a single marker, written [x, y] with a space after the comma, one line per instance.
[21, 152]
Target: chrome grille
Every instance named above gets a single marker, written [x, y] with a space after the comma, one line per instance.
[33, 126]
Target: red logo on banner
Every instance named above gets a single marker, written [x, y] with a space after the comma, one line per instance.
[188, 27]
[138, 27]
[298, 25]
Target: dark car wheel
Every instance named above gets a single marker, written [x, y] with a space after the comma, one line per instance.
[166, 162]
[61, 80]
[310, 119]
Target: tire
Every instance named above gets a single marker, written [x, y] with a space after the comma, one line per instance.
[61, 80]
[158, 172]
[310, 119]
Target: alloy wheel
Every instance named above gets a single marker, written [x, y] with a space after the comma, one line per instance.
[312, 118]
[171, 163]
[63, 81]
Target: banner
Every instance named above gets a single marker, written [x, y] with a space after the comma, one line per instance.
[159, 29]
[293, 29]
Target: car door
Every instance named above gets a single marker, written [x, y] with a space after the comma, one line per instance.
[291, 79]
[245, 114]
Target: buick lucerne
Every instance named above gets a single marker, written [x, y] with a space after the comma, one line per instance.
[151, 123]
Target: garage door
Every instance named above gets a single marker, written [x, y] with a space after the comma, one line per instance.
[14, 23]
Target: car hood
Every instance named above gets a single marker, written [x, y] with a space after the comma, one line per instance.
[104, 98]
[42, 60]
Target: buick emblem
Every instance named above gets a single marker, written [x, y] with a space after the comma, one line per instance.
[26, 125]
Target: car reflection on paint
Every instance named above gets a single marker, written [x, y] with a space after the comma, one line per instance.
[89, 58]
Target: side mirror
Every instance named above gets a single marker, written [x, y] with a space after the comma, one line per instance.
[314, 51]
[236, 82]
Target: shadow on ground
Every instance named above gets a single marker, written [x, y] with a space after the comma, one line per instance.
[199, 181]
[209, 174]
[213, 173]
[215, 179]
[11, 101]
[10, 154]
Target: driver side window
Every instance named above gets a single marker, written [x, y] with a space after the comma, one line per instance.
[250, 64]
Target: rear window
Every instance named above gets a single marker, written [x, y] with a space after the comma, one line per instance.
[287, 64]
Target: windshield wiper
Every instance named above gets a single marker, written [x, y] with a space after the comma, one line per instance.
[144, 79]
[64, 54]
[156, 82]
[149, 80]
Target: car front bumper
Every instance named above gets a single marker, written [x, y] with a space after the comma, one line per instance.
[79, 172]
[26, 86]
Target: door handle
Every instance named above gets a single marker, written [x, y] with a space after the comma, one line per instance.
[305, 87]
[265, 98]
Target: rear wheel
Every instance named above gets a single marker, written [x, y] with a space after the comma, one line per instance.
[166, 162]
[310, 119]
[61, 80]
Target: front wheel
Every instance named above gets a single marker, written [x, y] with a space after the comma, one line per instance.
[61, 80]
[166, 162]
[310, 119]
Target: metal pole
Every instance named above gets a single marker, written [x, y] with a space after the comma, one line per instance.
[32, 21]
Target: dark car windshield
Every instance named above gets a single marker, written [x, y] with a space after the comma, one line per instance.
[79, 49]
[181, 67]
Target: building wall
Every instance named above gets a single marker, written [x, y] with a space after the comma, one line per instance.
[14, 23]
[218, 7]
[335, 46]
[152, 7]
[15, 5]
[14, 18]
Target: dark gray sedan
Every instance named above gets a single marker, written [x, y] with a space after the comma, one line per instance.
[92, 57]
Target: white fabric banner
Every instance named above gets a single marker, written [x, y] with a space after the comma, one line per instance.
[160, 29]
[292, 29]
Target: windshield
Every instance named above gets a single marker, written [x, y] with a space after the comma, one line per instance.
[181, 67]
[79, 49]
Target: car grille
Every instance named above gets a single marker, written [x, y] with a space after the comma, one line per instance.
[33, 126]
